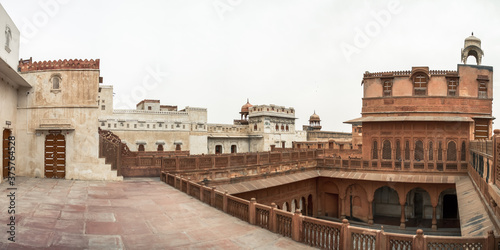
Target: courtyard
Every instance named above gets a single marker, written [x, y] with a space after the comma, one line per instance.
[139, 213]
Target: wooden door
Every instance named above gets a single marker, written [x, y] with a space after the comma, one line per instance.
[5, 152]
[55, 156]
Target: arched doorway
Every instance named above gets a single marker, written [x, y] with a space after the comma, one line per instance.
[447, 212]
[218, 149]
[141, 147]
[450, 206]
[356, 205]
[234, 149]
[160, 148]
[418, 208]
[386, 206]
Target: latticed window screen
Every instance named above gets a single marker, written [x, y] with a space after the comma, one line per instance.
[387, 88]
[440, 152]
[420, 85]
[482, 90]
[375, 150]
[407, 150]
[386, 150]
[398, 150]
[452, 87]
[451, 153]
[431, 151]
[419, 151]
[462, 153]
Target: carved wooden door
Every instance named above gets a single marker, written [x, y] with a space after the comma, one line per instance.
[5, 152]
[55, 156]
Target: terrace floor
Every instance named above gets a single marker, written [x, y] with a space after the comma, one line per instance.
[139, 213]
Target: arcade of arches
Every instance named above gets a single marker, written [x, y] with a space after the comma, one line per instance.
[401, 204]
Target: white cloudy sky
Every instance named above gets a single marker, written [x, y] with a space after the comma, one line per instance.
[217, 53]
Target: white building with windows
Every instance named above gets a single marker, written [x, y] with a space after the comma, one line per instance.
[155, 127]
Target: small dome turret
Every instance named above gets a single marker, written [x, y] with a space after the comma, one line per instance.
[472, 47]
[245, 108]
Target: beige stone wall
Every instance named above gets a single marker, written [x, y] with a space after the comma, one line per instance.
[8, 104]
[73, 109]
[9, 54]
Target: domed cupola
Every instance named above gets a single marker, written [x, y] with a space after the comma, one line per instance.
[472, 47]
[245, 110]
[314, 122]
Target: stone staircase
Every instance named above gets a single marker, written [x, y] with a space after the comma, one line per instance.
[474, 219]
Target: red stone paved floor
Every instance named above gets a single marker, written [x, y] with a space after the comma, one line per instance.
[141, 213]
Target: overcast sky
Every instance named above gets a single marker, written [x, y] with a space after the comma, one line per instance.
[306, 54]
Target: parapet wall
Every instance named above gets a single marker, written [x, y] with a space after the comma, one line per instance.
[29, 65]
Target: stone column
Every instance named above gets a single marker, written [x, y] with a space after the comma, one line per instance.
[342, 207]
[403, 219]
[434, 220]
[370, 212]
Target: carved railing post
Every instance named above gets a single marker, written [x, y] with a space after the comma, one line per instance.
[418, 240]
[224, 202]
[251, 211]
[345, 235]
[381, 240]
[212, 197]
[272, 218]
[177, 163]
[296, 225]
[188, 185]
[202, 189]
[490, 240]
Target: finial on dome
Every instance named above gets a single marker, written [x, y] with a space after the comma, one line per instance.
[472, 33]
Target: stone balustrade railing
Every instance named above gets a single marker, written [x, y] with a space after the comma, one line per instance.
[394, 165]
[321, 233]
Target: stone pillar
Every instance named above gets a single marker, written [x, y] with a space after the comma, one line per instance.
[434, 220]
[403, 218]
[188, 185]
[342, 208]
[296, 225]
[251, 211]
[370, 212]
